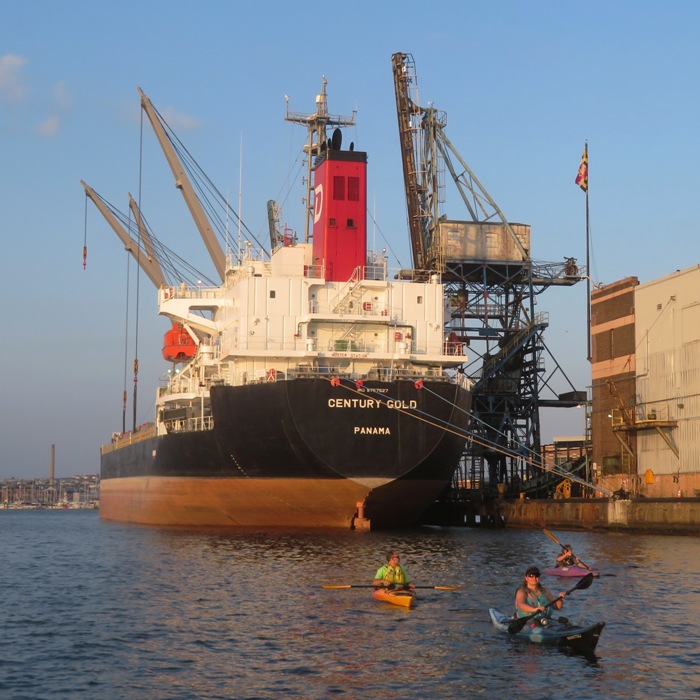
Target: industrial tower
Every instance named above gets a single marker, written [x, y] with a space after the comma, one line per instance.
[492, 285]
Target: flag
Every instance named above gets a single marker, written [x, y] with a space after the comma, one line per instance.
[582, 176]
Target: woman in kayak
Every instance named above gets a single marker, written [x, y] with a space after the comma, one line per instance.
[392, 574]
[568, 558]
[532, 596]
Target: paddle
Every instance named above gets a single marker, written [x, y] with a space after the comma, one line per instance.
[369, 585]
[520, 622]
[552, 537]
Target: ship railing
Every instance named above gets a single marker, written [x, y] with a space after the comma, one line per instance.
[390, 374]
[184, 292]
[129, 438]
[375, 270]
[338, 343]
[454, 347]
[186, 385]
[299, 343]
[346, 345]
[385, 374]
[352, 307]
[193, 424]
[377, 267]
[463, 380]
[314, 271]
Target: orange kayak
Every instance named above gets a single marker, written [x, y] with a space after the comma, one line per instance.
[397, 597]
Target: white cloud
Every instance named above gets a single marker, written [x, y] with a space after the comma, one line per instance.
[62, 97]
[63, 100]
[12, 89]
[180, 122]
[50, 126]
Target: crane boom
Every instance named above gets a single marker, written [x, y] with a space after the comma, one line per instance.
[409, 116]
[148, 263]
[425, 151]
[182, 182]
[487, 207]
[143, 231]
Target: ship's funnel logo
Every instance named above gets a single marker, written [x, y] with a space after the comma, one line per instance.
[318, 202]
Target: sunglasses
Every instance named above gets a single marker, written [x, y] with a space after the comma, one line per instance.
[532, 576]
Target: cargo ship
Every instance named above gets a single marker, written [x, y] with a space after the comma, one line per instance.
[311, 388]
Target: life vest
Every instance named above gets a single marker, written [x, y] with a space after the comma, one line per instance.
[393, 574]
[534, 600]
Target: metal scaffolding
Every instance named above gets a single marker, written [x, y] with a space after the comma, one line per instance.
[492, 285]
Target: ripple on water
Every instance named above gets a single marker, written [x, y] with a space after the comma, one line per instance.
[102, 610]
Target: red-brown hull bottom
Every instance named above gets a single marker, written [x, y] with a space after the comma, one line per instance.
[224, 502]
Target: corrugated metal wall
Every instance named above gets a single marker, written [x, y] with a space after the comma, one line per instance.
[668, 370]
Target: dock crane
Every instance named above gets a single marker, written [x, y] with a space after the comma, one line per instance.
[491, 282]
[420, 201]
[425, 147]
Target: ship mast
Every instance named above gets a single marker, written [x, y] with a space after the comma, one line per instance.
[316, 125]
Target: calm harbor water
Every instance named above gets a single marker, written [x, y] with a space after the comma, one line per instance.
[92, 609]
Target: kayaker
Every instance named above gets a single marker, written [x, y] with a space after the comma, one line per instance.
[532, 596]
[568, 558]
[392, 574]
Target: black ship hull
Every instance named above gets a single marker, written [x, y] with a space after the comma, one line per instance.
[301, 453]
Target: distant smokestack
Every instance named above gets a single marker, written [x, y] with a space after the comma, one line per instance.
[52, 467]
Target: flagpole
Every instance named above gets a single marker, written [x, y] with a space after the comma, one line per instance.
[588, 277]
[582, 182]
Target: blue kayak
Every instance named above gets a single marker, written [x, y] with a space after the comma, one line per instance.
[554, 633]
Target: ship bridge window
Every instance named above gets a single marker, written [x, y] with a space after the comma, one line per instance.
[273, 293]
[419, 300]
[338, 188]
[351, 223]
[353, 189]
[332, 221]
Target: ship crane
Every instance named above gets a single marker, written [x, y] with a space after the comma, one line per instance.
[491, 282]
[149, 262]
[183, 183]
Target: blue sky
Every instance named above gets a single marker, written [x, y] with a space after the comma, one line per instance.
[524, 84]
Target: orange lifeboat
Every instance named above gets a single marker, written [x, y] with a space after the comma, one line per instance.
[178, 345]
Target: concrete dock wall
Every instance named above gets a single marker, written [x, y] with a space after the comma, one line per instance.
[663, 515]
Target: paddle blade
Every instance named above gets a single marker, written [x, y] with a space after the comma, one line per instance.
[517, 624]
[552, 537]
[445, 588]
[345, 586]
[584, 583]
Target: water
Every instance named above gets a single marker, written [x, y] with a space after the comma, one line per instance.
[99, 610]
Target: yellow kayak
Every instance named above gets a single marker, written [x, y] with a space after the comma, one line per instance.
[395, 597]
